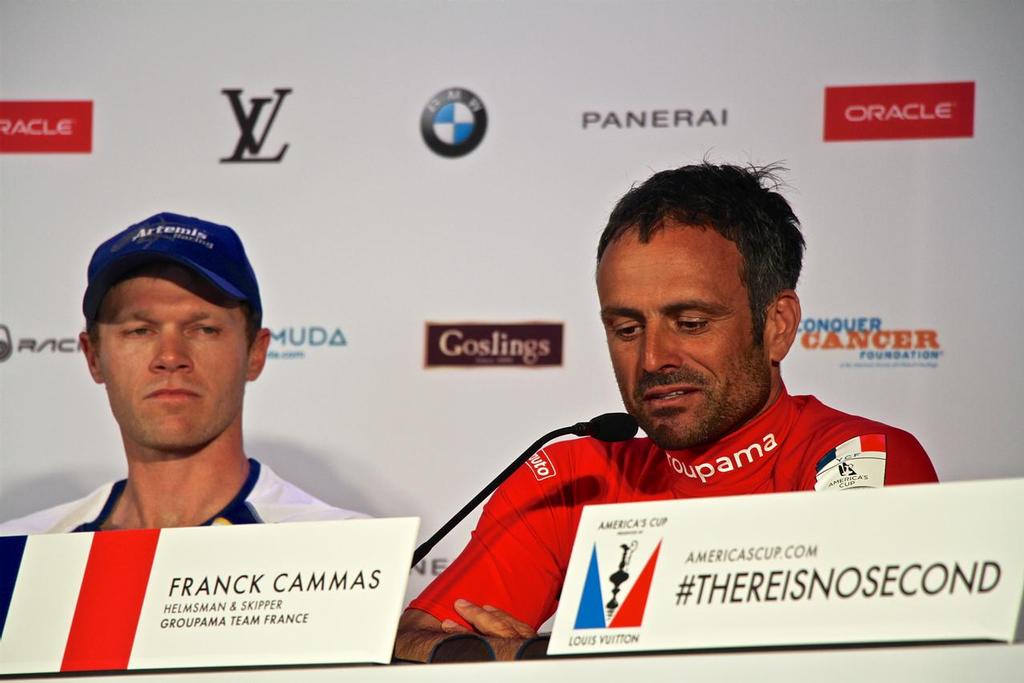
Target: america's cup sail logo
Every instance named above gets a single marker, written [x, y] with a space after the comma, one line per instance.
[619, 577]
[594, 611]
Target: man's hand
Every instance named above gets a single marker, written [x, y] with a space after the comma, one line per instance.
[488, 621]
[419, 632]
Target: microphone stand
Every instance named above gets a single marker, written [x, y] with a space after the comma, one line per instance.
[579, 429]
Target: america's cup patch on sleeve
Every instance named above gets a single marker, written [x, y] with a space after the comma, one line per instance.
[858, 463]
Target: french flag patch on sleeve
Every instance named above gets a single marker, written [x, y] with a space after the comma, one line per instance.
[858, 463]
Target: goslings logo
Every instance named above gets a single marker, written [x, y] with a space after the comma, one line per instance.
[895, 112]
[292, 343]
[252, 137]
[864, 342]
[454, 122]
[601, 605]
[494, 344]
[49, 127]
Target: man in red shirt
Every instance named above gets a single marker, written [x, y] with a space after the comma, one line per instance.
[696, 276]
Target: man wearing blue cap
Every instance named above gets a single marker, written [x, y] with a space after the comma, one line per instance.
[173, 331]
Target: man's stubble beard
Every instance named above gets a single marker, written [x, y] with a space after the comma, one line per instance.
[191, 434]
[723, 410]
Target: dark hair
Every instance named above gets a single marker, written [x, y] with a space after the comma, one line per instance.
[740, 204]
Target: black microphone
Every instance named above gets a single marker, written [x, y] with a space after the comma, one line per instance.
[607, 427]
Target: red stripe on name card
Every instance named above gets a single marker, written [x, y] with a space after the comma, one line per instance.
[110, 601]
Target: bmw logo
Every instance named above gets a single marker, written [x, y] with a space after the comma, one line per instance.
[453, 122]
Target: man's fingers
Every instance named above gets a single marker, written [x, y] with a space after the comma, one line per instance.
[483, 621]
[492, 621]
[449, 626]
[522, 630]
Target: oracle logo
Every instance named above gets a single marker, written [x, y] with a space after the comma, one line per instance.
[894, 112]
[47, 127]
[916, 111]
[37, 127]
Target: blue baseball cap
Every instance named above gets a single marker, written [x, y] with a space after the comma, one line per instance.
[210, 250]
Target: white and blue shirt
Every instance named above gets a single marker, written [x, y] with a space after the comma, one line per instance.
[263, 498]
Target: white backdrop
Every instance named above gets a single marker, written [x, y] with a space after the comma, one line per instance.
[361, 227]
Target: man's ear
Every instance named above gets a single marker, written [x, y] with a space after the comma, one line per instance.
[258, 354]
[781, 324]
[91, 357]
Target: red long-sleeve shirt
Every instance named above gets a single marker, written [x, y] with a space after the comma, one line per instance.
[518, 554]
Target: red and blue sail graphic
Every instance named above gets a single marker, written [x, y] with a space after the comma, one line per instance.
[595, 612]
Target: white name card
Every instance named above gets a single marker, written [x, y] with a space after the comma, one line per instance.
[929, 562]
[261, 594]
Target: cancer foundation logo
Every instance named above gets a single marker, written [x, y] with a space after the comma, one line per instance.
[867, 342]
[617, 585]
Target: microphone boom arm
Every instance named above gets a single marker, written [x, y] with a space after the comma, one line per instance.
[428, 545]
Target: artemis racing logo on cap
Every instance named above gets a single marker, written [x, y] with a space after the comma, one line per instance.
[146, 236]
[541, 466]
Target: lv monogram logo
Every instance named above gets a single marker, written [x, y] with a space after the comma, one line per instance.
[250, 142]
